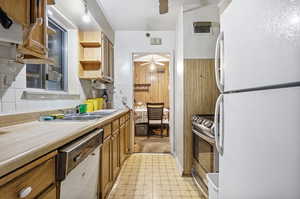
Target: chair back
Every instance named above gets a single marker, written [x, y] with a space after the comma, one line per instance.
[155, 111]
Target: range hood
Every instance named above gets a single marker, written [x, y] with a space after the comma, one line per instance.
[12, 35]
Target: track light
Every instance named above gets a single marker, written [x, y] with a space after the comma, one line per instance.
[86, 18]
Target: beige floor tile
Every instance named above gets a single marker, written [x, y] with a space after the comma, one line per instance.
[153, 176]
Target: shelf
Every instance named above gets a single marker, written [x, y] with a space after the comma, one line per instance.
[90, 44]
[27, 59]
[141, 90]
[90, 64]
[142, 85]
[51, 2]
[101, 79]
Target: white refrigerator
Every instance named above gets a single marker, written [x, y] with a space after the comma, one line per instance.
[257, 124]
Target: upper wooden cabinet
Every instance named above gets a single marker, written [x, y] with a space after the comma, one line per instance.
[51, 2]
[18, 11]
[90, 64]
[32, 15]
[107, 58]
[35, 43]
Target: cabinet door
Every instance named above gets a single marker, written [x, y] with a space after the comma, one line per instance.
[127, 137]
[110, 61]
[104, 60]
[107, 58]
[116, 154]
[106, 177]
[36, 37]
[122, 143]
[18, 11]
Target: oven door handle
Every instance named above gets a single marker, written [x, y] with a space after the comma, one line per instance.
[216, 126]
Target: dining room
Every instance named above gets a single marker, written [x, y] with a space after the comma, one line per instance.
[151, 102]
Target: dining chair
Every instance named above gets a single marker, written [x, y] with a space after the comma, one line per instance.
[155, 113]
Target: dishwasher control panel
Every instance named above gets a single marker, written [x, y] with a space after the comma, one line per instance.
[75, 152]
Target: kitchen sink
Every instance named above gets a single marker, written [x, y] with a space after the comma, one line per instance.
[90, 116]
[104, 112]
[82, 117]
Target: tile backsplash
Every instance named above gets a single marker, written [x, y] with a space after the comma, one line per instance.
[11, 98]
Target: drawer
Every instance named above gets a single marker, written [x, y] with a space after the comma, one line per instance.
[115, 125]
[122, 119]
[50, 193]
[37, 180]
[107, 131]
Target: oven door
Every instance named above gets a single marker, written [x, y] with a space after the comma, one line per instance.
[205, 159]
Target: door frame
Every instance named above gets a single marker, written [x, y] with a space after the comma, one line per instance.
[171, 97]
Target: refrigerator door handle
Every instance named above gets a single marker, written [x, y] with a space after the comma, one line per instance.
[216, 126]
[218, 64]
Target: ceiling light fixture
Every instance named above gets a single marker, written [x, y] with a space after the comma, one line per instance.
[152, 67]
[86, 18]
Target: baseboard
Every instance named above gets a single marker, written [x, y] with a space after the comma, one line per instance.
[179, 166]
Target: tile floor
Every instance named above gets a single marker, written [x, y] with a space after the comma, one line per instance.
[153, 144]
[153, 176]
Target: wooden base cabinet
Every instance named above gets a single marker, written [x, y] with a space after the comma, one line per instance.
[106, 179]
[116, 154]
[127, 137]
[122, 144]
[33, 181]
[115, 150]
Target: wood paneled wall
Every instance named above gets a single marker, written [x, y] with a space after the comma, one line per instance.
[200, 96]
[159, 88]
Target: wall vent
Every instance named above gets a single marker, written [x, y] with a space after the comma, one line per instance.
[202, 27]
[155, 41]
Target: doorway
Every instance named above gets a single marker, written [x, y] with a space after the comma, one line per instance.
[151, 85]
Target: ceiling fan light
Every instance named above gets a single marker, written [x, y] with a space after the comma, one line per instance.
[152, 67]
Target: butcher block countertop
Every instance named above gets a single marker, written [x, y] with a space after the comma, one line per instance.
[23, 143]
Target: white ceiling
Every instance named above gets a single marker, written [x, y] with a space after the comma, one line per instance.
[139, 15]
[74, 10]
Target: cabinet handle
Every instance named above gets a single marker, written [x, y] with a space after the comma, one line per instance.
[25, 192]
[77, 158]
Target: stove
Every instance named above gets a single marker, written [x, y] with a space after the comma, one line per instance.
[205, 155]
[203, 124]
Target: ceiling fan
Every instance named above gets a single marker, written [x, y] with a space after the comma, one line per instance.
[152, 62]
[163, 6]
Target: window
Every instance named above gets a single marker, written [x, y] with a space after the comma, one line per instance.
[51, 77]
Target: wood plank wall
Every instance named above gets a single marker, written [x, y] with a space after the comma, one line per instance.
[200, 95]
[159, 89]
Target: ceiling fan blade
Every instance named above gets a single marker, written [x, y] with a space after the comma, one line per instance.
[158, 63]
[163, 6]
[144, 64]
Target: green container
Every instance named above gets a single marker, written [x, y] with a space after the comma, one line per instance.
[82, 108]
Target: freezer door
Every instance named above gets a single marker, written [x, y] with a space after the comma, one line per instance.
[261, 43]
[261, 158]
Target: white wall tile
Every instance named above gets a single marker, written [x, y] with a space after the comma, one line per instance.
[11, 98]
[8, 95]
[20, 82]
[8, 107]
